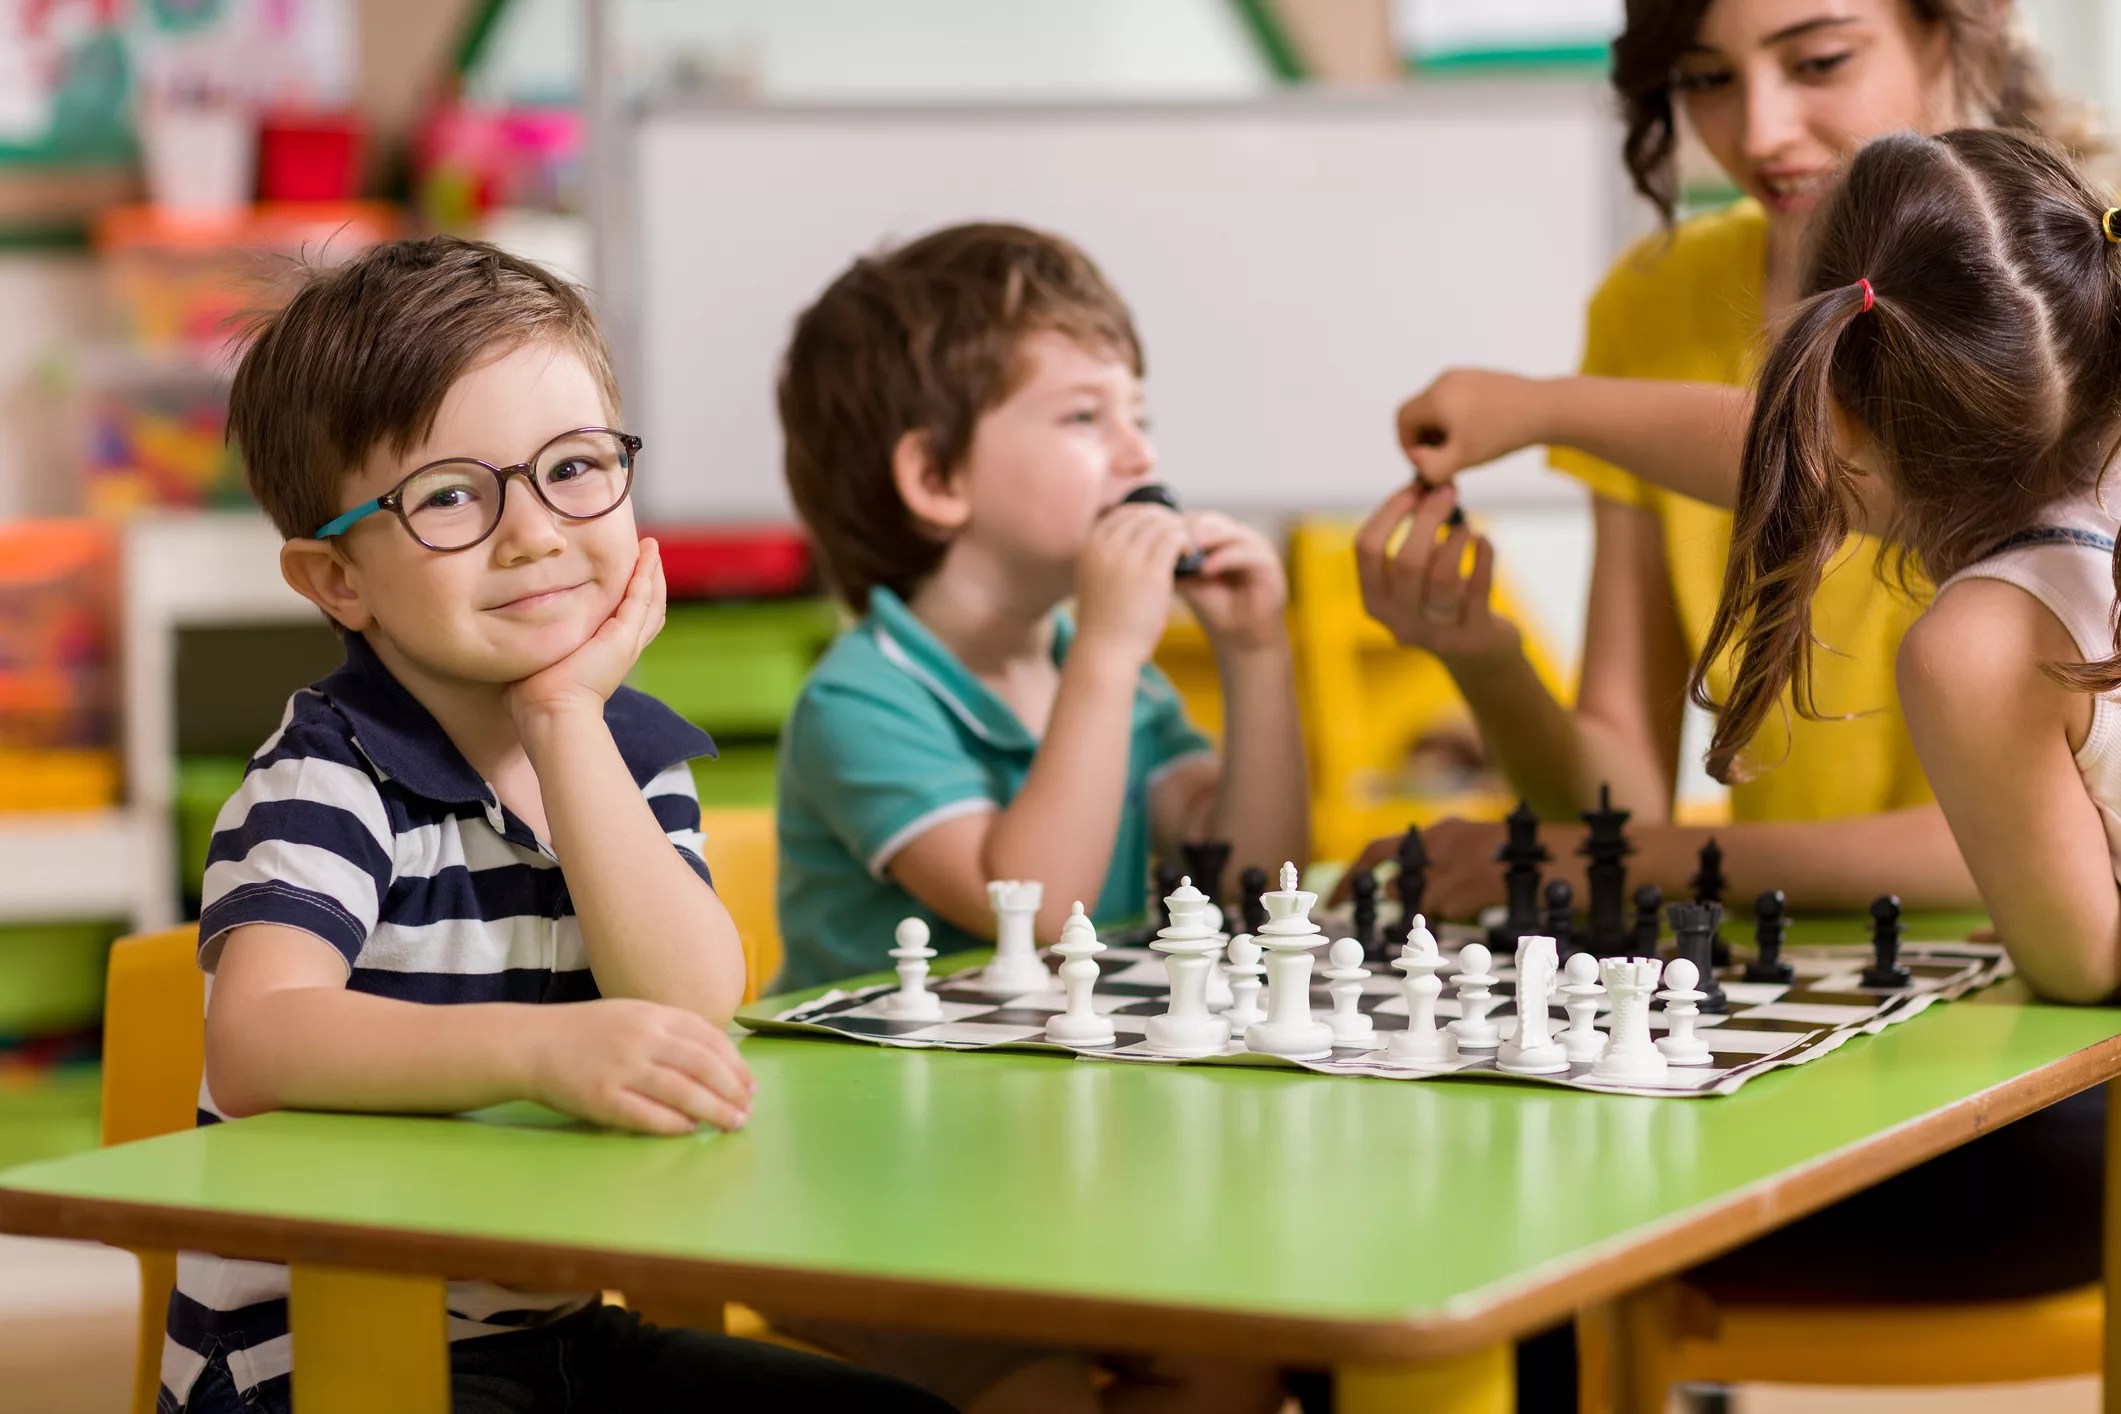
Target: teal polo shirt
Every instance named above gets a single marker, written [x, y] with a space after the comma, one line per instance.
[890, 737]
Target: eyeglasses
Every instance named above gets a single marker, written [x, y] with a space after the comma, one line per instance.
[454, 504]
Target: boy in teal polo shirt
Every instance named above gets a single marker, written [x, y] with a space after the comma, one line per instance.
[963, 422]
[902, 737]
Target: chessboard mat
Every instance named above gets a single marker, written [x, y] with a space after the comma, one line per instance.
[1769, 1024]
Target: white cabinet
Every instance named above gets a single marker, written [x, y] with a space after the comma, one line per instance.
[178, 571]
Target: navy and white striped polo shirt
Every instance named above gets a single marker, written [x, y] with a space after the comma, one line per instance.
[361, 823]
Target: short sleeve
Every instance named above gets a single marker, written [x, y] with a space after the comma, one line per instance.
[674, 798]
[1610, 326]
[1171, 735]
[304, 843]
[881, 762]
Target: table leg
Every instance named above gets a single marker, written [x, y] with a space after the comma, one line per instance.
[1483, 1382]
[2110, 1386]
[365, 1341]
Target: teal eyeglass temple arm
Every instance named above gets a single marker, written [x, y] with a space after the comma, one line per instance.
[339, 525]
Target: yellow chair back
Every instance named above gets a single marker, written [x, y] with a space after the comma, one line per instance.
[743, 855]
[154, 1049]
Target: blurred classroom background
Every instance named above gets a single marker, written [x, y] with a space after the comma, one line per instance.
[1313, 205]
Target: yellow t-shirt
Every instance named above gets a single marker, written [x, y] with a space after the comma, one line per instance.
[1686, 307]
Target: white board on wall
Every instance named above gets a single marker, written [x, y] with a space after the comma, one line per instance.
[1295, 266]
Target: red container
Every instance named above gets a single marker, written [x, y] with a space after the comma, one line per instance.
[305, 156]
[733, 562]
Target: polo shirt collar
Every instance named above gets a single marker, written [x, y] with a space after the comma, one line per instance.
[908, 645]
[404, 742]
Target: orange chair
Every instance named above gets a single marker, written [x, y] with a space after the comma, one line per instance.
[1676, 1333]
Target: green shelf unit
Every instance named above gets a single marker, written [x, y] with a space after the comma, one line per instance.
[51, 975]
[204, 784]
[741, 778]
[49, 1114]
[735, 669]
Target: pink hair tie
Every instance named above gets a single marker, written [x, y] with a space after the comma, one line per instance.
[1868, 298]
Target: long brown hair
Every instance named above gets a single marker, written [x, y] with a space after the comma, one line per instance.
[1986, 375]
[1999, 79]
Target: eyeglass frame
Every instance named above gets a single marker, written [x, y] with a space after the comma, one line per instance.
[393, 500]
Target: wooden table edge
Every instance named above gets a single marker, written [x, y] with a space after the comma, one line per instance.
[1479, 1320]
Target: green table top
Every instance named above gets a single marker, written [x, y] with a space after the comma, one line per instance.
[1277, 1213]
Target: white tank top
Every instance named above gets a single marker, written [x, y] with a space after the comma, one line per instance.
[2066, 561]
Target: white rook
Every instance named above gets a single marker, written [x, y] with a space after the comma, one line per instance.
[1016, 970]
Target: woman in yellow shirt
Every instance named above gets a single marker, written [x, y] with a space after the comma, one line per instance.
[1779, 91]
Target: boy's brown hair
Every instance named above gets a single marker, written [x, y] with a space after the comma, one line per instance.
[365, 352]
[922, 338]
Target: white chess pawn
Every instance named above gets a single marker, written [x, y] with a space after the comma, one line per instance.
[1344, 984]
[1629, 1053]
[1420, 960]
[1682, 1008]
[1015, 970]
[913, 1001]
[1189, 946]
[1533, 1049]
[1289, 935]
[1079, 1025]
[1580, 997]
[1476, 998]
[1246, 978]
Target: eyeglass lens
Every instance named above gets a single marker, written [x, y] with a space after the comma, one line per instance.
[454, 504]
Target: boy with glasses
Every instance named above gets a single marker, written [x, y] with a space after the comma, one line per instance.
[466, 869]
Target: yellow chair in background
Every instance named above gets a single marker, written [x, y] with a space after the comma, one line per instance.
[1676, 1333]
[743, 855]
[1366, 701]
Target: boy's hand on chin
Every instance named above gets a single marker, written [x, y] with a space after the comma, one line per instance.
[1241, 590]
[585, 679]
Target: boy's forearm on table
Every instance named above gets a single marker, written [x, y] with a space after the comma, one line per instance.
[1059, 828]
[652, 927]
[325, 1048]
[1262, 803]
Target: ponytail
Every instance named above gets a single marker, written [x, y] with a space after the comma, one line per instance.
[1794, 511]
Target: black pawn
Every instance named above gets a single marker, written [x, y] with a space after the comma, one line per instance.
[1708, 884]
[1770, 924]
[1252, 883]
[1559, 925]
[1649, 921]
[1413, 880]
[1606, 846]
[1167, 877]
[1694, 931]
[1521, 855]
[1205, 862]
[1362, 889]
[1885, 969]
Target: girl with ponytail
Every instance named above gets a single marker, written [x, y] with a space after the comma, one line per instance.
[1951, 378]
[1779, 94]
